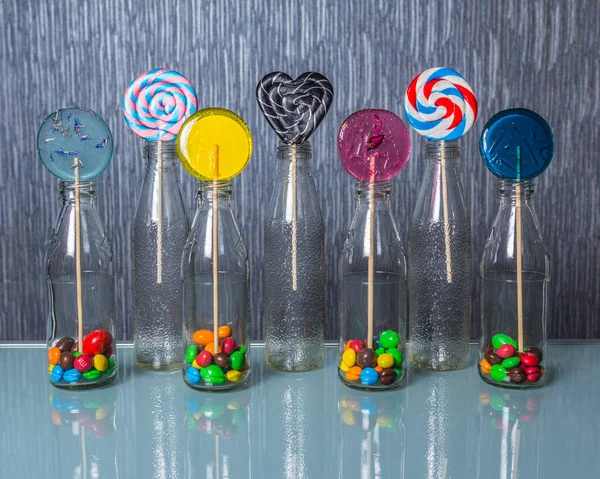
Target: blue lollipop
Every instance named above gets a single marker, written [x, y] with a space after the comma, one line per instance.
[75, 144]
[517, 144]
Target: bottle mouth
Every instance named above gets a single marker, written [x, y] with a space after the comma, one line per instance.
[205, 189]
[285, 151]
[508, 188]
[381, 189]
[436, 150]
[87, 187]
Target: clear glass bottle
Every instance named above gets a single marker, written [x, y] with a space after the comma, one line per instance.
[203, 367]
[83, 309]
[160, 228]
[503, 362]
[439, 264]
[379, 363]
[294, 278]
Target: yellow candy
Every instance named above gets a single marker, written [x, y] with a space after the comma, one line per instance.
[233, 405]
[100, 362]
[214, 144]
[385, 360]
[343, 366]
[197, 416]
[349, 357]
[195, 365]
[50, 368]
[102, 412]
[233, 376]
[348, 417]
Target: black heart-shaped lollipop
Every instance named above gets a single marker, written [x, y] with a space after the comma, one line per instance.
[294, 108]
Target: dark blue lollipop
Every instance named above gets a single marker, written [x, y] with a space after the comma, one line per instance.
[75, 138]
[517, 144]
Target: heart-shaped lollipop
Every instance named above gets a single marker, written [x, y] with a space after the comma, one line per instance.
[294, 108]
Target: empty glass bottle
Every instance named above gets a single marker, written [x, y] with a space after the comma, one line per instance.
[294, 273]
[508, 357]
[204, 367]
[81, 314]
[439, 264]
[385, 348]
[160, 228]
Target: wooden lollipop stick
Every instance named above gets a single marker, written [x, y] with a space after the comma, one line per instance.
[78, 258]
[294, 223]
[446, 218]
[519, 254]
[371, 271]
[215, 247]
[159, 239]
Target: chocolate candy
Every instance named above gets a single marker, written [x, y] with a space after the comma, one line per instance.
[82, 363]
[387, 376]
[212, 374]
[537, 352]
[237, 360]
[357, 345]
[529, 359]
[385, 360]
[369, 376]
[228, 346]
[66, 360]
[97, 342]
[193, 375]
[505, 351]
[54, 355]
[72, 375]
[499, 340]
[366, 358]
[491, 357]
[191, 353]
[349, 357]
[65, 344]
[221, 360]
[511, 362]
[204, 358]
[389, 339]
[75, 347]
[517, 375]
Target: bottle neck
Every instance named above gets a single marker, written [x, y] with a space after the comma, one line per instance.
[206, 191]
[438, 151]
[378, 190]
[68, 191]
[302, 154]
[163, 152]
[510, 190]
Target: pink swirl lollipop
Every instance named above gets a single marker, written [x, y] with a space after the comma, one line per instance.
[157, 103]
[373, 145]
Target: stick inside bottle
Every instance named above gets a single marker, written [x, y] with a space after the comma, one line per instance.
[78, 279]
[294, 223]
[371, 270]
[446, 216]
[519, 253]
[159, 239]
[215, 246]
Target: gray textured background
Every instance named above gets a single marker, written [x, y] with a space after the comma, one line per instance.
[534, 54]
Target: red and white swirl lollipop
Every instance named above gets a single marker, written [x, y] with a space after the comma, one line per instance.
[157, 103]
[440, 105]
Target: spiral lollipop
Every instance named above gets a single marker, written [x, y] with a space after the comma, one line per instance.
[157, 103]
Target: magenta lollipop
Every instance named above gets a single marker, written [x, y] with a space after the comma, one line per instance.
[373, 145]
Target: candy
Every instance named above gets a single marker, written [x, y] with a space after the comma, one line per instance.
[83, 363]
[204, 359]
[66, 360]
[228, 345]
[294, 108]
[379, 351]
[511, 362]
[499, 340]
[440, 105]
[213, 374]
[193, 375]
[485, 366]
[534, 378]
[505, 351]
[242, 349]
[378, 369]
[72, 375]
[366, 358]
[92, 374]
[532, 370]
[97, 342]
[237, 360]
[191, 353]
[233, 376]
[349, 357]
[517, 375]
[397, 355]
[385, 360]
[357, 345]
[492, 357]
[223, 332]
[100, 362]
[157, 103]
[387, 376]
[498, 372]
[109, 352]
[195, 364]
[65, 344]
[537, 352]
[54, 355]
[353, 374]
[210, 347]
[389, 339]
[203, 337]
[369, 376]
[373, 144]
[57, 374]
[529, 359]
[221, 360]
[50, 368]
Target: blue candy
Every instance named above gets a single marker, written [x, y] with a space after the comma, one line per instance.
[72, 375]
[193, 375]
[57, 374]
[368, 407]
[369, 376]
[193, 405]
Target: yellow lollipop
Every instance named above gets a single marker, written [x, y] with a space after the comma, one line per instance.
[214, 144]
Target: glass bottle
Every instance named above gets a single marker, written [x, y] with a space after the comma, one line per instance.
[203, 367]
[358, 358]
[160, 228]
[294, 278]
[439, 264]
[80, 309]
[502, 360]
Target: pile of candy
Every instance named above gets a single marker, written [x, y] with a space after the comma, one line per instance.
[381, 366]
[355, 411]
[503, 363]
[216, 416]
[93, 361]
[96, 416]
[522, 409]
[215, 367]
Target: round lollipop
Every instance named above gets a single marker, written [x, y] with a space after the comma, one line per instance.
[75, 144]
[373, 145]
[517, 144]
[157, 103]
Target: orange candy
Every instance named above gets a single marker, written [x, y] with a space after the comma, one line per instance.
[204, 337]
[210, 347]
[485, 366]
[53, 355]
[224, 332]
[378, 369]
[353, 374]
[347, 344]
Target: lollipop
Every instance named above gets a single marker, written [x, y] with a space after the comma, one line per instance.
[373, 145]
[517, 144]
[214, 144]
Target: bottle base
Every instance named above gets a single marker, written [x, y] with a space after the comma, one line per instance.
[158, 367]
[511, 385]
[84, 385]
[367, 387]
[225, 387]
[294, 368]
[441, 367]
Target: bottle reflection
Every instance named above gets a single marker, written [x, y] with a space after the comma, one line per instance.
[510, 433]
[85, 433]
[372, 434]
[218, 435]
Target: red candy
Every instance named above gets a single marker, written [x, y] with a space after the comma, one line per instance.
[83, 363]
[532, 370]
[109, 352]
[357, 345]
[534, 378]
[97, 342]
[204, 359]
[529, 359]
[228, 346]
[506, 351]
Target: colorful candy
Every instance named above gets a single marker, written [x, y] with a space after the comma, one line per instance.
[97, 342]
[369, 376]
[349, 357]
[213, 374]
[100, 362]
[54, 355]
[508, 365]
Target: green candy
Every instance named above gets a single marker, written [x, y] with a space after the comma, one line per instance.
[379, 351]
[213, 374]
[389, 339]
[501, 339]
[511, 362]
[242, 349]
[213, 410]
[92, 374]
[191, 353]
[111, 363]
[498, 372]
[497, 403]
[399, 373]
[397, 355]
[237, 360]
[78, 353]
